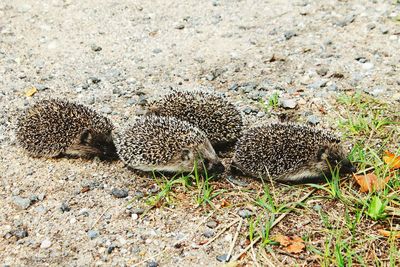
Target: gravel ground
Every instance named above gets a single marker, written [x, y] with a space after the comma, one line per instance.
[113, 56]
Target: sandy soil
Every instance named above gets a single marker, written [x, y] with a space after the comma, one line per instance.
[112, 55]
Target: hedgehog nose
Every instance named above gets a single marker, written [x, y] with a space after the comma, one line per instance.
[348, 167]
[217, 168]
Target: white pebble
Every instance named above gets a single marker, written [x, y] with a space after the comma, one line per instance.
[45, 244]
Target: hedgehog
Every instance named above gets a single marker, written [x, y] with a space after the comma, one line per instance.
[289, 152]
[52, 128]
[165, 144]
[209, 111]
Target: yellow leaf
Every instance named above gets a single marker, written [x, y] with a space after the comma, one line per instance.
[389, 233]
[31, 91]
[290, 244]
[370, 182]
[391, 160]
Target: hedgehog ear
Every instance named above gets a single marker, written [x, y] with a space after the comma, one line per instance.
[323, 153]
[185, 154]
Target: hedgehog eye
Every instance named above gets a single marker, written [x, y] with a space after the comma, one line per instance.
[185, 154]
[86, 137]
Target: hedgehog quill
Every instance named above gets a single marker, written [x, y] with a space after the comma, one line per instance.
[53, 127]
[289, 153]
[153, 143]
[209, 111]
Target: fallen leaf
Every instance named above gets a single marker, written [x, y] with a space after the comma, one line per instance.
[290, 244]
[391, 160]
[386, 233]
[370, 182]
[224, 203]
[31, 91]
[282, 240]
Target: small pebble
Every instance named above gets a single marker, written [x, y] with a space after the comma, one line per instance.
[45, 244]
[245, 213]
[19, 233]
[23, 203]
[208, 233]
[312, 119]
[119, 193]
[65, 207]
[288, 103]
[152, 264]
[289, 34]
[95, 48]
[368, 66]
[179, 26]
[106, 109]
[234, 87]
[138, 211]
[92, 234]
[223, 258]
[111, 248]
[157, 50]
[212, 224]
[318, 84]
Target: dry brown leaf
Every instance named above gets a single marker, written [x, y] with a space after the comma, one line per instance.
[389, 233]
[282, 240]
[225, 203]
[370, 182]
[290, 244]
[391, 160]
[31, 91]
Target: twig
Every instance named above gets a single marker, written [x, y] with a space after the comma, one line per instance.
[98, 219]
[280, 218]
[234, 240]
[221, 232]
[264, 256]
[369, 169]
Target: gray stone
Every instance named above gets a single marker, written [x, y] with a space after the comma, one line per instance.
[92, 234]
[65, 207]
[234, 87]
[212, 224]
[384, 29]
[106, 109]
[180, 26]
[312, 119]
[93, 80]
[332, 87]
[119, 193]
[318, 84]
[96, 48]
[361, 59]
[288, 103]
[223, 258]
[289, 34]
[111, 248]
[138, 211]
[322, 71]
[152, 264]
[377, 91]
[346, 21]
[157, 50]
[208, 233]
[248, 87]
[245, 213]
[23, 203]
[19, 233]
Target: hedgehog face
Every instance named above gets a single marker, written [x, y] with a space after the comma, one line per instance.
[332, 156]
[92, 144]
[202, 154]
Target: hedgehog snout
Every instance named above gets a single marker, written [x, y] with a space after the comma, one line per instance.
[215, 168]
[347, 167]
